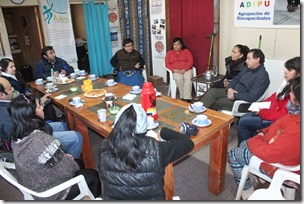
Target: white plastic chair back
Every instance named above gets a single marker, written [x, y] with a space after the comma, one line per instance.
[28, 194]
[254, 168]
[274, 190]
[144, 73]
[172, 85]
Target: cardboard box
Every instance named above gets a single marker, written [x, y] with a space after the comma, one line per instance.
[156, 80]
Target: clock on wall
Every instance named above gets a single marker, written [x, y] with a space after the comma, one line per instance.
[17, 1]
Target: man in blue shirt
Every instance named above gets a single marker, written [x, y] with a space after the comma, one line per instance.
[49, 60]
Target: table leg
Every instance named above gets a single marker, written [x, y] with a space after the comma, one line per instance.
[169, 182]
[217, 162]
[86, 144]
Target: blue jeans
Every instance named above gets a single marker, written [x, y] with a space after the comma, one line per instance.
[135, 79]
[71, 141]
[249, 125]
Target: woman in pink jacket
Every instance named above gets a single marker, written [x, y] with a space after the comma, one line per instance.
[180, 60]
[250, 123]
[278, 143]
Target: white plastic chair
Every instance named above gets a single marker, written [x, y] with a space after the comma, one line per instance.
[254, 168]
[172, 85]
[144, 73]
[28, 194]
[274, 190]
[235, 109]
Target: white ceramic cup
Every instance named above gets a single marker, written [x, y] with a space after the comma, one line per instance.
[135, 89]
[76, 71]
[76, 100]
[82, 72]
[102, 115]
[49, 86]
[73, 75]
[198, 106]
[92, 77]
[110, 82]
[201, 119]
[61, 76]
[150, 122]
[49, 78]
[39, 81]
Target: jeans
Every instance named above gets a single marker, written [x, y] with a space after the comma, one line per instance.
[71, 141]
[135, 79]
[249, 125]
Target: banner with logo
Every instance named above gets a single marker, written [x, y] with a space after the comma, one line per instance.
[266, 14]
[57, 21]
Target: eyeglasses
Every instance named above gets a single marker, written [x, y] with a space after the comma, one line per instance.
[128, 45]
[26, 99]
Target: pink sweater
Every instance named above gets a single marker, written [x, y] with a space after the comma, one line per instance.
[181, 60]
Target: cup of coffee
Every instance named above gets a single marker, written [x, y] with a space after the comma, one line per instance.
[39, 81]
[201, 119]
[49, 87]
[102, 115]
[92, 77]
[198, 106]
[82, 72]
[110, 82]
[76, 71]
[76, 100]
[135, 89]
[73, 75]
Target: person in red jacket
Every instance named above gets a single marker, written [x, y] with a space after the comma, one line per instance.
[180, 60]
[278, 143]
[250, 123]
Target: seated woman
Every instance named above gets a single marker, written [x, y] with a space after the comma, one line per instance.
[129, 64]
[234, 63]
[180, 60]
[131, 164]
[250, 123]
[39, 156]
[15, 78]
[278, 143]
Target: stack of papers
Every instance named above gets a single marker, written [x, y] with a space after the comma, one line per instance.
[256, 106]
[60, 96]
[129, 97]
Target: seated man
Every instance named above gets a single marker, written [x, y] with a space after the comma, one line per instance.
[249, 85]
[70, 140]
[49, 60]
[128, 62]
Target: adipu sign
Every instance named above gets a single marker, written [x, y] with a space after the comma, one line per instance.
[265, 14]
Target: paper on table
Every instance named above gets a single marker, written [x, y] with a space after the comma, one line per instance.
[60, 96]
[256, 106]
[129, 96]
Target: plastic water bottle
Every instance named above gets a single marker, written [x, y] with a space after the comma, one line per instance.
[148, 99]
[53, 77]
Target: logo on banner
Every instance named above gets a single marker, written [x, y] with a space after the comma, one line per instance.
[54, 9]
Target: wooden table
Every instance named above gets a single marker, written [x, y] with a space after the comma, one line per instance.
[170, 111]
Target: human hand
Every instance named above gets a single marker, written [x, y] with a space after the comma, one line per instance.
[261, 134]
[230, 93]
[69, 156]
[137, 65]
[182, 71]
[226, 83]
[63, 72]
[44, 98]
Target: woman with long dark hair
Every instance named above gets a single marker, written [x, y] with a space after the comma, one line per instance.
[131, 164]
[250, 123]
[40, 161]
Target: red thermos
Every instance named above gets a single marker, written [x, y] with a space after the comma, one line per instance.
[148, 99]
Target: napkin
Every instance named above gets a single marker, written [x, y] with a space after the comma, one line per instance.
[60, 96]
[129, 97]
[82, 77]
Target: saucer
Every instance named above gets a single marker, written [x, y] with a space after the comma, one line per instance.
[194, 122]
[54, 90]
[111, 85]
[94, 79]
[77, 104]
[82, 74]
[39, 83]
[194, 111]
[137, 92]
[156, 124]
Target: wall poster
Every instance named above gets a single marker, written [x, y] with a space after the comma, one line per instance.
[266, 14]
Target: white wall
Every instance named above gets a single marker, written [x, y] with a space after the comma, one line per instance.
[277, 43]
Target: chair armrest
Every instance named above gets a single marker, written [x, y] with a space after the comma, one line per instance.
[235, 107]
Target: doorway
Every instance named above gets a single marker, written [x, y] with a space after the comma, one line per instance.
[24, 33]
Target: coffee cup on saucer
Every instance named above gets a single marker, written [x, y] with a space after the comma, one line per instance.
[110, 82]
[39, 81]
[92, 77]
[73, 75]
[82, 72]
[198, 106]
[76, 100]
[201, 119]
[135, 89]
[76, 71]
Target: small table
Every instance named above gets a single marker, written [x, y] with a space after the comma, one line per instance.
[203, 84]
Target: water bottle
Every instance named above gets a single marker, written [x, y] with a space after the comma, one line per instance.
[53, 76]
[148, 99]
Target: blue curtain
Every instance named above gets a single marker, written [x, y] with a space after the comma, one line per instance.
[98, 37]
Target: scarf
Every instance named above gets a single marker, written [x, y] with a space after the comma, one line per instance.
[9, 75]
[292, 108]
